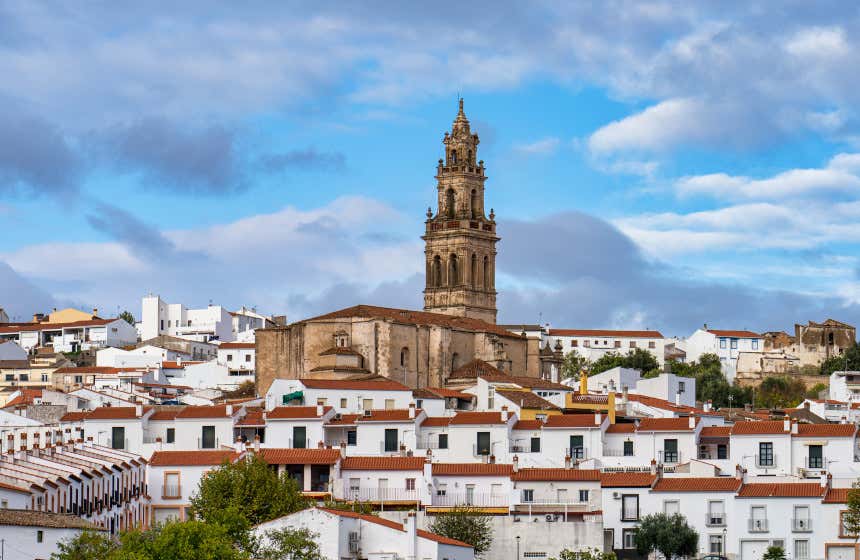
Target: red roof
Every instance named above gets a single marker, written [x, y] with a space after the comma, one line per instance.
[762, 427]
[472, 469]
[166, 364]
[113, 413]
[275, 456]
[572, 421]
[627, 479]
[165, 414]
[192, 458]
[440, 539]
[295, 412]
[216, 411]
[836, 496]
[357, 384]
[390, 415]
[449, 393]
[553, 474]
[252, 418]
[345, 420]
[715, 431]
[735, 334]
[435, 421]
[781, 490]
[476, 418]
[73, 416]
[27, 396]
[383, 464]
[698, 484]
[624, 428]
[528, 425]
[526, 399]
[237, 345]
[54, 326]
[666, 425]
[394, 525]
[825, 430]
[605, 333]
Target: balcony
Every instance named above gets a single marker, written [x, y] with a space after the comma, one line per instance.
[715, 519]
[171, 492]
[469, 499]
[758, 526]
[482, 452]
[801, 525]
[576, 453]
[431, 442]
[208, 444]
[522, 448]
[617, 453]
[814, 462]
[381, 495]
[766, 461]
[669, 457]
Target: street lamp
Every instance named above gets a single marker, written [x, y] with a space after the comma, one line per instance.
[518, 547]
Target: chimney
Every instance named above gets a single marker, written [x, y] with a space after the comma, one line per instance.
[826, 480]
[692, 423]
[256, 443]
[516, 464]
[786, 424]
[678, 398]
[806, 405]
[624, 394]
[653, 466]
[411, 529]
[844, 420]
[492, 459]
[748, 407]
[229, 409]
[343, 449]
[412, 410]
[740, 473]
[96, 311]
[158, 443]
[794, 428]
[320, 410]
[598, 418]
[138, 410]
[504, 414]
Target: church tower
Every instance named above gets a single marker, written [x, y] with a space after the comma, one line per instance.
[460, 239]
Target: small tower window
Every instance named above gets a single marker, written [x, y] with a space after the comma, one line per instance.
[341, 339]
[455, 361]
[453, 157]
[449, 203]
[473, 272]
[436, 273]
[475, 204]
[470, 157]
[486, 273]
[404, 356]
[453, 271]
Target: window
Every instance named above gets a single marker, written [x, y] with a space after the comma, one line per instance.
[171, 435]
[410, 484]
[716, 514]
[628, 448]
[583, 495]
[367, 404]
[652, 344]
[722, 451]
[758, 519]
[40, 536]
[574, 343]
[391, 440]
[442, 490]
[801, 550]
[247, 357]
[79, 379]
[670, 450]
[722, 343]
[628, 538]
[734, 344]
[470, 494]
[528, 495]
[10, 377]
[535, 447]
[577, 449]
[24, 377]
[632, 344]
[4, 504]
[117, 435]
[630, 507]
[443, 441]
[715, 544]
[343, 403]
[44, 378]
[618, 344]
[354, 486]
[765, 454]
[801, 521]
[671, 507]
[162, 324]
[482, 443]
[299, 437]
[207, 437]
[322, 401]
[682, 386]
[816, 457]
[351, 437]
[389, 404]
[755, 344]
[229, 357]
[171, 485]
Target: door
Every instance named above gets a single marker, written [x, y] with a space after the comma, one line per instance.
[470, 494]
[483, 443]
[390, 440]
[561, 495]
[117, 437]
[840, 552]
[535, 445]
[207, 439]
[382, 489]
[608, 540]
[576, 450]
[299, 437]
[754, 550]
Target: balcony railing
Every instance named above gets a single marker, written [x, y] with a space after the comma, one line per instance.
[556, 501]
[483, 451]
[381, 495]
[669, 457]
[469, 499]
[383, 449]
[758, 526]
[766, 461]
[576, 453]
[801, 524]
[815, 462]
[200, 444]
[715, 519]
[522, 448]
[431, 442]
[171, 491]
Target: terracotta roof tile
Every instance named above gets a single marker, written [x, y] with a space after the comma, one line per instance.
[344, 420]
[605, 333]
[276, 456]
[364, 517]
[759, 428]
[472, 469]
[425, 394]
[354, 384]
[476, 418]
[31, 518]
[295, 412]
[716, 431]
[572, 421]
[252, 418]
[165, 414]
[665, 425]
[528, 425]
[627, 479]
[237, 346]
[621, 428]
[197, 458]
[435, 421]
[735, 334]
[216, 411]
[526, 399]
[382, 464]
[698, 484]
[526, 382]
[440, 539]
[54, 326]
[552, 474]
[474, 369]
[73, 416]
[113, 413]
[781, 490]
[836, 496]
[825, 430]
[449, 393]
[390, 415]
[340, 351]
[166, 364]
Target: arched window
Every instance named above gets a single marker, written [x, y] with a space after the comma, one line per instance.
[486, 276]
[473, 271]
[474, 203]
[404, 356]
[449, 203]
[470, 157]
[453, 157]
[436, 278]
[830, 339]
[453, 271]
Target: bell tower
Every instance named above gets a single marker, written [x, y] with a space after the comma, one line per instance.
[460, 239]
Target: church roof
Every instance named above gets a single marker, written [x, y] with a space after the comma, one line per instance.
[474, 369]
[415, 318]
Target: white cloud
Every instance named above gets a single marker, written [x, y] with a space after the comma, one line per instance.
[544, 146]
[819, 42]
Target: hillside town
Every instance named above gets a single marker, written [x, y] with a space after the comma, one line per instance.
[388, 419]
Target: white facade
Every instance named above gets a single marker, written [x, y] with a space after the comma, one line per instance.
[346, 397]
[33, 540]
[239, 357]
[594, 344]
[726, 344]
[204, 375]
[173, 319]
[141, 357]
[10, 351]
[71, 337]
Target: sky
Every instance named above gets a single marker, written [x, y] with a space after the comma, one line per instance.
[651, 164]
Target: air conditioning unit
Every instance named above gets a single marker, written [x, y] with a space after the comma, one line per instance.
[367, 413]
[338, 416]
[550, 518]
[616, 495]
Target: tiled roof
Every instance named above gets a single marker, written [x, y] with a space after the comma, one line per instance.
[113, 413]
[826, 430]
[440, 539]
[836, 496]
[665, 425]
[621, 428]
[526, 399]
[200, 458]
[216, 411]
[165, 414]
[552, 474]
[715, 431]
[275, 456]
[759, 428]
[252, 418]
[781, 490]
[340, 351]
[735, 334]
[73, 416]
[435, 421]
[662, 404]
[27, 396]
[626, 479]
[425, 394]
[237, 346]
[31, 518]
[698, 484]
[474, 369]
[391, 415]
[344, 420]
[166, 364]
[416, 318]
[364, 517]
[472, 469]
[475, 418]
[572, 421]
[604, 332]
[354, 384]
[295, 412]
[382, 464]
[528, 425]
[54, 326]
[450, 393]
[525, 382]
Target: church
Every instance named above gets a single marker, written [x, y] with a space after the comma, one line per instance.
[458, 324]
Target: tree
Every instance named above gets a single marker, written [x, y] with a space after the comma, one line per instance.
[711, 384]
[638, 358]
[670, 535]
[289, 544]
[573, 364]
[813, 392]
[851, 516]
[354, 506]
[780, 391]
[187, 540]
[248, 488]
[774, 553]
[848, 361]
[465, 524]
[585, 554]
[87, 545]
[127, 317]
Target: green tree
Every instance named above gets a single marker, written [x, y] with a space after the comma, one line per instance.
[638, 358]
[248, 488]
[573, 364]
[774, 553]
[289, 544]
[851, 517]
[585, 554]
[188, 540]
[467, 525]
[780, 391]
[848, 361]
[812, 392]
[355, 506]
[670, 535]
[87, 545]
[127, 317]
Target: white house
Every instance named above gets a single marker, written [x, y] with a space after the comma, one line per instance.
[484, 485]
[346, 534]
[666, 386]
[345, 396]
[382, 480]
[593, 344]
[36, 534]
[71, 337]
[297, 427]
[115, 427]
[245, 321]
[206, 427]
[385, 432]
[174, 476]
[238, 357]
[203, 375]
[147, 355]
[845, 386]
[173, 319]
[726, 344]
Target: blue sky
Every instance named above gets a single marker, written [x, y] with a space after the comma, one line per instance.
[652, 164]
